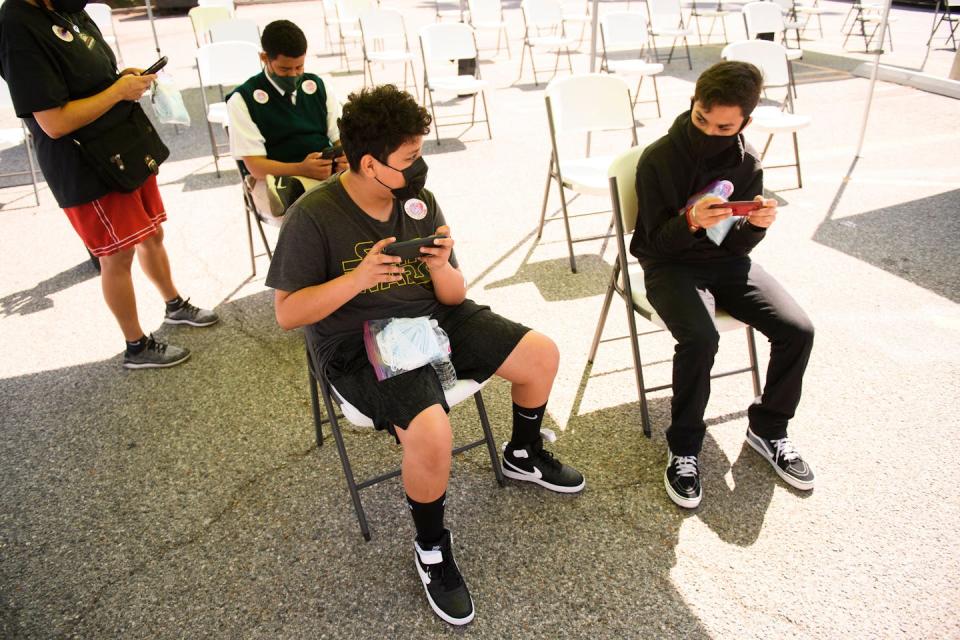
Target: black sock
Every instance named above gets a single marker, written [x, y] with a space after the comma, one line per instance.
[428, 519]
[174, 304]
[526, 425]
[135, 347]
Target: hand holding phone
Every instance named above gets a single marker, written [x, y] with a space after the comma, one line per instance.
[332, 153]
[739, 207]
[409, 249]
[155, 67]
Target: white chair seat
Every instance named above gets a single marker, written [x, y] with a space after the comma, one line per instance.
[772, 120]
[673, 32]
[218, 114]
[463, 390]
[587, 175]
[794, 54]
[551, 41]
[11, 137]
[390, 56]
[723, 320]
[635, 67]
[458, 84]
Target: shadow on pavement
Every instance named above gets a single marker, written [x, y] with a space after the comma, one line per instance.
[38, 298]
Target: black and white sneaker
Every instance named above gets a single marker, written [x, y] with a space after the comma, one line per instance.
[440, 575]
[785, 459]
[682, 480]
[533, 463]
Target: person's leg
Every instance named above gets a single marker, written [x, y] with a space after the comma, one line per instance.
[117, 285]
[679, 296]
[153, 260]
[531, 368]
[427, 444]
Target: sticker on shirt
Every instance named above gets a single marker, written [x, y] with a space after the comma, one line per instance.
[62, 33]
[415, 208]
[260, 96]
[87, 40]
[309, 87]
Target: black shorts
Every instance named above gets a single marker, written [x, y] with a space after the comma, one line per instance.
[480, 341]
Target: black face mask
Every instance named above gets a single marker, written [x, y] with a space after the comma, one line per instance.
[707, 146]
[68, 6]
[415, 177]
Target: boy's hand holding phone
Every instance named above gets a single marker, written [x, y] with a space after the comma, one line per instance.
[377, 267]
[709, 211]
[438, 256]
[315, 166]
[765, 215]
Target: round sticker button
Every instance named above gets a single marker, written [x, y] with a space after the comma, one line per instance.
[309, 87]
[415, 208]
[261, 96]
[63, 34]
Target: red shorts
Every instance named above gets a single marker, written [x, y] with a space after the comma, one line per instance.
[118, 221]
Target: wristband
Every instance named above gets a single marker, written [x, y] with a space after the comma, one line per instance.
[691, 217]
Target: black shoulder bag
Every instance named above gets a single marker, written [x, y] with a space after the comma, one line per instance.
[125, 154]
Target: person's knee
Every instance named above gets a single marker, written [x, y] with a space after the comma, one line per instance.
[117, 262]
[153, 240]
[544, 360]
[428, 439]
[801, 332]
[704, 342]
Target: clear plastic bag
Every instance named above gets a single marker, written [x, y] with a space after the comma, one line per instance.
[398, 345]
[167, 101]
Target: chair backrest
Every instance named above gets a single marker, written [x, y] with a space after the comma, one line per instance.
[786, 6]
[762, 17]
[351, 10]
[383, 24]
[227, 63]
[445, 41]
[590, 102]
[488, 11]
[623, 190]
[202, 18]
[226, 4]
[769, 57]
[235, 30]
[623, 30]
[102, 16]
[664, 14]
[542, 14]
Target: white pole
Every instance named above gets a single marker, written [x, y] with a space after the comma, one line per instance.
[153, 27]
[873, 74]
[593, 35]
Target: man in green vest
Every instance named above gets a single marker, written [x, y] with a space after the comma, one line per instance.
[282, 120]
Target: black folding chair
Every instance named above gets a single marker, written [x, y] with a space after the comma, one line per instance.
[332, 401]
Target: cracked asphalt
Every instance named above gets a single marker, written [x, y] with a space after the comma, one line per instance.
[194, 502]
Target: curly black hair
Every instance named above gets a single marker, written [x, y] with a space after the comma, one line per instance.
[378, 120]
[730, 83]
[282, 37]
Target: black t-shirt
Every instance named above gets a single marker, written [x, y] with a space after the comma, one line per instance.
[325, 235]
[49, 59]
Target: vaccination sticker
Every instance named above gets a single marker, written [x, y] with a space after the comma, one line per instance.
[63, 34]
[416, 209]
[309, 87]
[87, 40]
[260, 96]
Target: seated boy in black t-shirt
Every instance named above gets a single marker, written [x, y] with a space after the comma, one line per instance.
[330, 275]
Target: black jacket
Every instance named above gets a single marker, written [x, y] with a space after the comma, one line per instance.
[667, 175]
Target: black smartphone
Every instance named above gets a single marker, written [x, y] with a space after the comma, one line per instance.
[331, 153]
[156, 66]
[409, 249]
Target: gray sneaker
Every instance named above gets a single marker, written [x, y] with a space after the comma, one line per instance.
[189, 314]
[156, 355]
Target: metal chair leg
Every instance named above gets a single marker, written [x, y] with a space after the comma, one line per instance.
[754, 364]
[488, 437]
[314, 401]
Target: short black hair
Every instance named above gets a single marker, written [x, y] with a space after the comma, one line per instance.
[378, 120]
[282, 37]
[730, 84]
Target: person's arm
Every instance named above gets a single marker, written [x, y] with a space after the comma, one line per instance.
[313, 166]
[312, 304]
[64, 120]
[660, 227]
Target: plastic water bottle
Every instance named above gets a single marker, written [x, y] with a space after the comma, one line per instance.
[444, 368]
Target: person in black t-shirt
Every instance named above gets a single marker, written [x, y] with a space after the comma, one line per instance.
[330, 275]
[64, 83]
[696, 258]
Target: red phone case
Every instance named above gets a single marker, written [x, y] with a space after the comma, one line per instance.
[740, 207]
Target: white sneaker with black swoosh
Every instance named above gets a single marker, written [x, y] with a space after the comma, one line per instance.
[535, 464]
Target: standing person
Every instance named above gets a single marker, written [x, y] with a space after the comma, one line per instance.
[282, 120]
[696, 258]
[331, 274]
[64, 83]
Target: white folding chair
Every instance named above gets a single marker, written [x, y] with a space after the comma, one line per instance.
[487, 15]
[102, 16]
[665, 18]
[226, 4]
[869, 14]
[624, 32]
[223, 64]
[541, 16]
[14, 136]
[576, 105]
[332, 400]
[235, 30]
[348, 24]
[383, 35]
[441, 44]
[771, 59]
[448, 10]
[788, 12]
[767, 17]
[202, 18]
[809, 9]
[577, 14]
[942, 13]
[712, 10]
[626, 281]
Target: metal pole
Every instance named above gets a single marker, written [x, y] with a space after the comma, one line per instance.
[593, 35]
[878, 51]
[153, 27]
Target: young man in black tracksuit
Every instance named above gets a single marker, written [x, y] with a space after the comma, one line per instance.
[696, 258]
